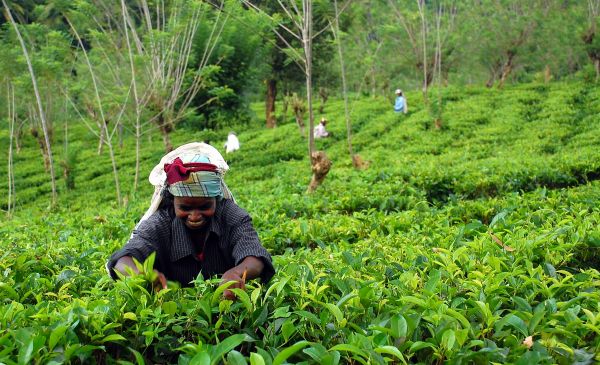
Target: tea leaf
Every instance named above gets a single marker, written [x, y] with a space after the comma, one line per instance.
[350, 348]
[130, 316]
[256, 359]
[514, 322]
[399, 326]
[169, 307]
[346, 298]
[317, 352]
[25, 352]
[9, 292]
[216, 297]
[337, 313]
[236, 358]
[201, 358]
[56, 335]
[113, 337]
[498, 217]
[391, 350]
[138, 357]
[462, 319]
[448, 339]
[549, 270]
[281, 312]
[434, 279]
[225, 346]
[287, 329]
[243, 297]
[419, 345]
[289, 351]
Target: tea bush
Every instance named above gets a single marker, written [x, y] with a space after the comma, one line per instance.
[477, 243]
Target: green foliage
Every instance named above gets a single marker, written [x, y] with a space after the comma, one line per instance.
[238, 55]
[477, 243]
[453, 246]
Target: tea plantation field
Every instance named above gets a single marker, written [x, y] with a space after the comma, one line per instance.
[474, 244]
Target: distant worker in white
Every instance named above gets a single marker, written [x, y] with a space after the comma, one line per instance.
[320, 131]
[232, 144]
[400, 105]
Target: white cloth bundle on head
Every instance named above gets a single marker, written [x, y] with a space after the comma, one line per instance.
[158, 176]
[232, 144]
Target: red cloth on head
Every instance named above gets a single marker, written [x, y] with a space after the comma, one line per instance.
[179, 171]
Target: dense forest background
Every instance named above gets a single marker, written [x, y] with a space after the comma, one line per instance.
[144, 68]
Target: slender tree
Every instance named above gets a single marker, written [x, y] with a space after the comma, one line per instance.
[498, 33]
[168, 45]
[437, 71]
[10, 98]
[370, 43]
[38, 99]
[356, 160]
[590, 36]
[421, 7]
[100, 105]
[139, 101]
[302, 30]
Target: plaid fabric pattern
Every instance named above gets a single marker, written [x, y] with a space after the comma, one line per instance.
[231, 238]
[199, 184]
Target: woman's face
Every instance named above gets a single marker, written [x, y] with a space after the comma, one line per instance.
[195, 212]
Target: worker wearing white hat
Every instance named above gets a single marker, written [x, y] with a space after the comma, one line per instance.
[400, 105]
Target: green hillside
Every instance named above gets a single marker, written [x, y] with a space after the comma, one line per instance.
[453, 246]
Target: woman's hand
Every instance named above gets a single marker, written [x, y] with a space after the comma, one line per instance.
[160, 282]
[125, 263]
[233, 274]
[251, 267]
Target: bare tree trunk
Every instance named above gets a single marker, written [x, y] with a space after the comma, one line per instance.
[492, 78]
[507, 68]
[67, 163]
[172, 90]
[102, 134]
[43, 149]
[307, 43]
[356, 160]
[38, 99]
[102, 120]
[136, 98]
[302, 21]
[66, 137]
[99, 123]
[270, 103]
[593, 53]
[120, 129]
[319, 163]
[300, 123]
[438, 66]
[19, 136]
[115, 170]
[137, 156]
[588, 37]
[299, 110]
[165, 129]
[166, 141]
[547, 74]
[324, 95]
[373, 82]
[11, 174]
[421, 4]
